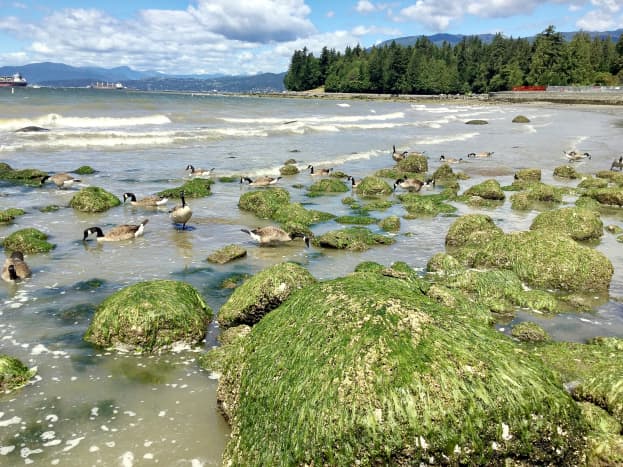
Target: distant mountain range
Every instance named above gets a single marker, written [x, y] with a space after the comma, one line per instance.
[61, 75]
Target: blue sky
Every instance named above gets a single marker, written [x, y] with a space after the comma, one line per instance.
[253, 36]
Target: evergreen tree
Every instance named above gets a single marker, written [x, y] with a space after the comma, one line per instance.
[547, 64]
[580, 69]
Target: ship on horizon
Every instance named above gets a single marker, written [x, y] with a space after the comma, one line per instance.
[14, 80]
[106, 85]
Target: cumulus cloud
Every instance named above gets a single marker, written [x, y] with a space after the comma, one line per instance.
[364, 6]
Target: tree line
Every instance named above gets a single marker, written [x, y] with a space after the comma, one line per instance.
[471, 66]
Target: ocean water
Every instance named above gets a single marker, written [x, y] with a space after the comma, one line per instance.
[88, 406]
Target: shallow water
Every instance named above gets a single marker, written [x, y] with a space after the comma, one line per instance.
[91, 407]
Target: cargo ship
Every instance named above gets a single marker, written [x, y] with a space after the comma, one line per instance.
[106, 85]
[15, 80]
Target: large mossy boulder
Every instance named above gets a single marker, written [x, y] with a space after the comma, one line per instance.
[414, 163]
[373, 186]
[94, 199]
[366, 370]
[489, 189]
[390, 224]
[328, 185]
[289, 169]
[531, 175]
[264, 203]
[566, 171]
[607, 196]
[13, 373]
[150, 316]
[472, 229]
[195, 188]
[580, 224]
[521, 119]
[28, 240]
[352, 238]
[418, 205]
[31, 177]
[8, 215]
[262, 293]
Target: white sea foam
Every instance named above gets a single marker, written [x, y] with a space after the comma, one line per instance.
[312, 120]
[56, 121]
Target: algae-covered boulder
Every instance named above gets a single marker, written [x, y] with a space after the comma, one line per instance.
[352, 238]
[195, 188]
[84, 170]
[489, 189]
[289, 169]
[532, 175]
[476, 122]
[529, 332]
[443, 263]
[28, 240]
[521, 119]
[580, 224]
[13, 373]
[418, 205]
[472, 228]
[609, 196]
[414, 163]
[94, 199]
[566, 171]
[593, 182]
[356, 220]
[264, 203]
[390, 224]
[262, 293]
[328, 185]
[8, 215]
[30, 177]
[373, 186]
[227, 253]
[366, 370]
[150, 316]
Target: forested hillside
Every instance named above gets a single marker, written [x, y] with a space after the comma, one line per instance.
[469, 66]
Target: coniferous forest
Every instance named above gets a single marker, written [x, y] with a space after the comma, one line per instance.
[470, 66]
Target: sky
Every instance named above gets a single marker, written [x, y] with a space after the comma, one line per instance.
[239, 37]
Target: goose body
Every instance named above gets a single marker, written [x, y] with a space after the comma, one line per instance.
[260, 181]
[197, 172]
[271, 235]
[413, 184]
[118, 233]
[575, 156]
[617, 164]
[181, 213]
[15, 268]
[148, 201]
[319, 172]
[450, 160]
[353, 182]
[61, 180]
[480, 155]
[398, 156]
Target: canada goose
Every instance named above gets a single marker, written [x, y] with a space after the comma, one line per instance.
[148, 201]
[198, 172]
[319, 172]
[617, 164]
[413, 184]
[271, 235]
[181, 213]
[398, 156]
[450, 160]
[575, 156]
[260, 181]
[15, 268]
[120, 232]
[480, 155]
[353, 182]
[61, 180]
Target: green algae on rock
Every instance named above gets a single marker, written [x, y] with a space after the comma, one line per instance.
[150, 316]
[607, 196]
[373, 186]
[13, 373]
[289, 169]
[418, 205]
[8, 215]
[593, 182]
[472, 228]
[520, 119]
[195, 188]
[489, 189]
[94, 199]
[533, 175]
[264, 203]
[529, 332]
[31, 177]
[366, 370]
[84, 170]
[414, 163]
[476, 122]
[262, 293]
[580, 224]
[227, 254]
[390, 224]
[28, 240]
[328, 185]
[357, 220]
[566, 171]
[605, 443]
[352, 238]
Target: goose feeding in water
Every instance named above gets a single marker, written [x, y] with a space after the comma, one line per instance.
[61, 180]
[148, 201]
[196, 172]
[413, 184]
[271, 235]
[260, 181]
[575, 156]
[118, 233]
[181, 213]
[450, 160]
[318, 172]
[15, 268]
[480, 155]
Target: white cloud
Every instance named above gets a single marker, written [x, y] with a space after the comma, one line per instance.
[330, 14]
[364, 6]
[599, 21]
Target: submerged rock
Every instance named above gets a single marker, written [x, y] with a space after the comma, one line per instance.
[13, 373]
[94, 199]
[371, 367]
[262, 293]
[529, 332]
[580, 224]
[150, 316]
[227, 253]
[28, 240]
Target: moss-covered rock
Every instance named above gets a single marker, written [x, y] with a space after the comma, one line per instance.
[520, 201]
[8, 215]
[228, 179]
[195, 188]
[607, 196]
[532, 175]
[328, 185]
[352, 238]
[476, 122]
[390, 224]
[227, 253]
[264, 203]
[444, 172]
[50, 208]
[529, 332]
[541, 192]
[295, 214]
[566, 171]
[444, 263]
[31, 177]
[604, 439]
[521, 119]
[150, 316]
[369, 266]
[579, 224]
[289, 169]
[377, 205]
[356, 220]
[489, 189]
[94, 199]
[233, 281]
[593, 182]
[425, 205]
[373, 186]
[366, 370]
[614, 177]
[13, 373]
[415, 163]
[84, 170]
[263, 292]
[472, 229]
[28, 240]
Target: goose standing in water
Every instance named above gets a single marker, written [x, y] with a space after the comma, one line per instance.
[353, 182]
[413, 184]
[148, 201]
[319, 172]
[480, 155]
[398, 156]
[260, 181]
[199, 172]
[271, 235]
[118, 233]
[450, 160]
[61, 180]
[15, 268]
[181, 213]
[617, 164]
[575, 156]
